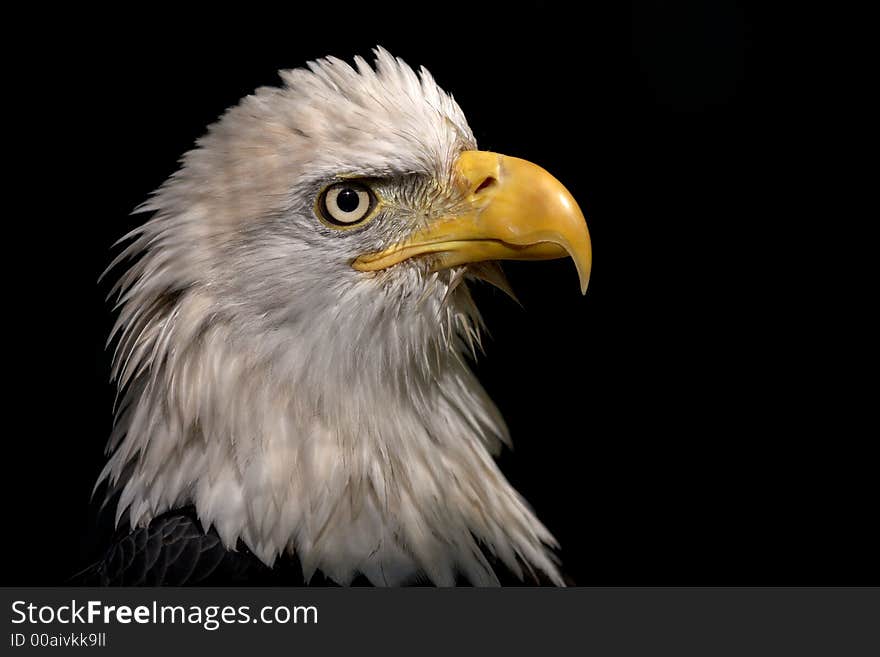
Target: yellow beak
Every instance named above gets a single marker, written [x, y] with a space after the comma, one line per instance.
[513, 210]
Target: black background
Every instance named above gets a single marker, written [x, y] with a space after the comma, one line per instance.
[675, 426]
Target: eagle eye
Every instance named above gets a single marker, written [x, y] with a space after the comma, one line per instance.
[345, 204]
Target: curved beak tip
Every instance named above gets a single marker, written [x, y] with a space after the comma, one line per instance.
[584, 264]
[585, 282]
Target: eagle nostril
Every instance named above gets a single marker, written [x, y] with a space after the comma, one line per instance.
[487, 182]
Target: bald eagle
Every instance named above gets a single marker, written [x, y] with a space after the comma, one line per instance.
[292, 334]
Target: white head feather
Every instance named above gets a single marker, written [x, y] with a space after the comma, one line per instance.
[300, 405]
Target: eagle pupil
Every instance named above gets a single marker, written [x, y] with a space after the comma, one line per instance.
[348, 200]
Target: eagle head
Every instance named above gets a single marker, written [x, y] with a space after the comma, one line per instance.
[293, 322]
